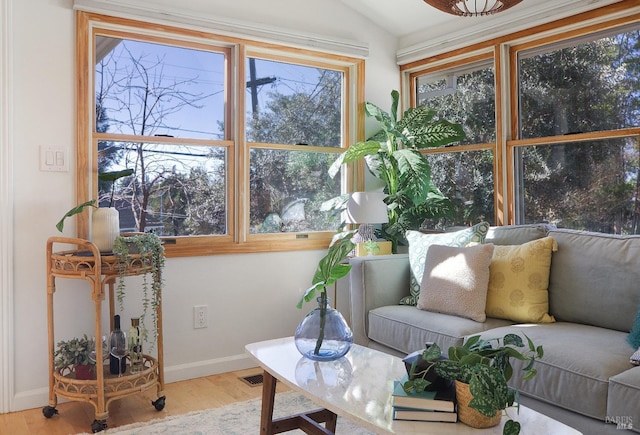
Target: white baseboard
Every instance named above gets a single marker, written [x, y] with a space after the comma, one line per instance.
[39, 397]
[200, 369]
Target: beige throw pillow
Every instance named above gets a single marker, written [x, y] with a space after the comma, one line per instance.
[419, 244]
[519, 282]
[455, 281]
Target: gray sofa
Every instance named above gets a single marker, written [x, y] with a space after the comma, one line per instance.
[585, 378]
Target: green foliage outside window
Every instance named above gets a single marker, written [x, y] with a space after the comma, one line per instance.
[568, 88]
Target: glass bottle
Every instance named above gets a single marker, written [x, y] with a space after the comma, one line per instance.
[135, 346]
[117, 349]
[323, 335]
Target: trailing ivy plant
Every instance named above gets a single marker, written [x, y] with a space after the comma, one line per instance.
[486, 366]
[393, 155]
[149, 247]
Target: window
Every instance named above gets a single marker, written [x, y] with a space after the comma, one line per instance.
[590, 185]
[587, 87]
[466, 178]
[580, 86]
[465, 94]
[566, 131]
[152, 91]
[229, 141]
[294, 128]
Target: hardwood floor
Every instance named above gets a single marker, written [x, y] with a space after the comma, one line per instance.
[182, 397]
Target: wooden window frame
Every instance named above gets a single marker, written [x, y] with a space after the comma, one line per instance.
[505, 50]
[483, 55]
[237, 239]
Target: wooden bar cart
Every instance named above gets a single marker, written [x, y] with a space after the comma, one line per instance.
[101, 271]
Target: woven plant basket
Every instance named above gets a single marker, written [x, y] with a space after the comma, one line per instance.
[470, 416]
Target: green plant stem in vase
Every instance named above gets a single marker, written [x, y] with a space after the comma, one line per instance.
[325, 327]
[323, 321]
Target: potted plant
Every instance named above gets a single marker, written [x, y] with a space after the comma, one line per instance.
[393, 156]
[324, 334]
[147, 247]
[75, 355]
[105, 221]
[481, 369]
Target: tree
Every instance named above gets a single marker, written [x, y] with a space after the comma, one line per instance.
[466, 178]
[583, 88]
[282, 179]
[588, 87]
[135, 88]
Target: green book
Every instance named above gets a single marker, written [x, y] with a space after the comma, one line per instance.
[441, 400]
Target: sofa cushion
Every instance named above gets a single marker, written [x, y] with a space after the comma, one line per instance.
[455, 281]
[622, 403]
[407, 329]
[519, 281]
[577, 364]
[517, 234]
[594, 279]
[419, 244]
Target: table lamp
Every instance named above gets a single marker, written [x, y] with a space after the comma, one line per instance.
[366, 209]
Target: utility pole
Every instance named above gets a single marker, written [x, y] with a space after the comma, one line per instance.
[253, 84]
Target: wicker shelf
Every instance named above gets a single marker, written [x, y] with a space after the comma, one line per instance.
[100, 270]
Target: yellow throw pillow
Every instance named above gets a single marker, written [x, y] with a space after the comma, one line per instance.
[519, 282]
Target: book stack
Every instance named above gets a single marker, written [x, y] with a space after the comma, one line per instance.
[436, 406]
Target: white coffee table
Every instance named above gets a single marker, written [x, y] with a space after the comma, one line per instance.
[358, 387]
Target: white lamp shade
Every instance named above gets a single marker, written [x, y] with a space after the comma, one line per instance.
[366, 208]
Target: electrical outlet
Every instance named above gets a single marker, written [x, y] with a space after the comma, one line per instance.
[200, 316]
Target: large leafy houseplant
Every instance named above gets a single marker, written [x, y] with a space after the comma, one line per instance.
[393, 155]
[485, 365]
[330, 269]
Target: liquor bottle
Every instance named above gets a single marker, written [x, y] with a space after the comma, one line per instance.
[117, 349]
[135, 346]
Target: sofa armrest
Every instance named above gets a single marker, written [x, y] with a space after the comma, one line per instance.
[375, 281]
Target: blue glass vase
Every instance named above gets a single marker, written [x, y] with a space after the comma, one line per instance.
[323, 335]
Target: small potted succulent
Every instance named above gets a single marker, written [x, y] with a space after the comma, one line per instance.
[75, 356]
[481, 369]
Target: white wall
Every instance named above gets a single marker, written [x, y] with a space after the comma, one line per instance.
[250, 297]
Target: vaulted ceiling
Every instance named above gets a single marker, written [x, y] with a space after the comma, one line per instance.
[414, 21]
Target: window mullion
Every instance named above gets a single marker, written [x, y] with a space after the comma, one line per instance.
[241, 157]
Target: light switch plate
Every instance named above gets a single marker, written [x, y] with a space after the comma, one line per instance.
[54, 159]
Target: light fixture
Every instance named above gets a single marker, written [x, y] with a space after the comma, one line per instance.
[366, 208]
[472, 8]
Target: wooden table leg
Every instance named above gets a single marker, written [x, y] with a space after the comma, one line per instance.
[268, 396]
[309, 422]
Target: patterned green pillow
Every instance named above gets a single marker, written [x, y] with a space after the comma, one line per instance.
[419, 244]
[634, 335]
